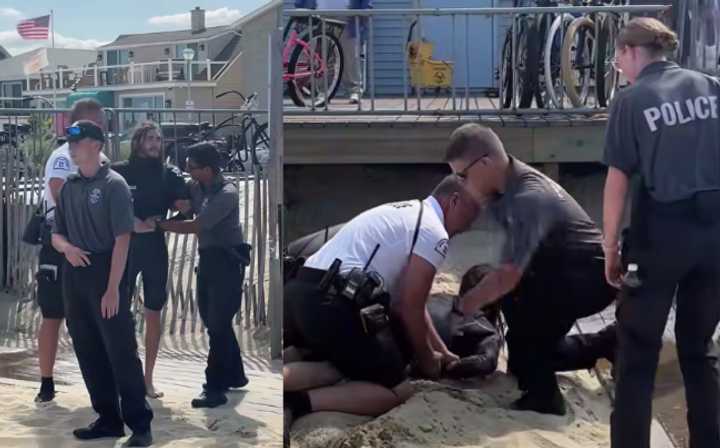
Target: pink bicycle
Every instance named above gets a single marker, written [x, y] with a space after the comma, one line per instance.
[312, 60]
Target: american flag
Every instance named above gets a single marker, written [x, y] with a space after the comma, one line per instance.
[34, 29]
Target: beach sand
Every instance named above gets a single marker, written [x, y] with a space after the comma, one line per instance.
[476, 413]
[252, 417]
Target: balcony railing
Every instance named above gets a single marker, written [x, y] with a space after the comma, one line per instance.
[130, 74]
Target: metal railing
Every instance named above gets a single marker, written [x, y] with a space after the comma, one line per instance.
[698, 27]
[463, 98]
[133, 73]
[28, 137]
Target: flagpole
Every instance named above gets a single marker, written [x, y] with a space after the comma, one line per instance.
[52, 26]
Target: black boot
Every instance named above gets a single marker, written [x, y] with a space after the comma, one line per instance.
[99, 429]
[210, 398]
[140, 438]
[47, 391]
[553, 404]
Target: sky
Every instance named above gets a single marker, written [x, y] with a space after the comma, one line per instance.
[88, 24]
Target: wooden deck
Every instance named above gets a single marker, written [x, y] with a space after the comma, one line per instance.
[396, 133]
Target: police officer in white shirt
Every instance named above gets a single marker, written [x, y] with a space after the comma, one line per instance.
[402, 245]
[57, 168]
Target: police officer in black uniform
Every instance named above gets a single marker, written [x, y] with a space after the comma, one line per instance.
[93, 223]
[156, 188]
[223, 256]
[552, 255]
[664, 130]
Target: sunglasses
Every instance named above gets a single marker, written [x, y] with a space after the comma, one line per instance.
[79, 132]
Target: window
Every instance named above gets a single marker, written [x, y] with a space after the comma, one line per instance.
[128, 120]
[11, 90]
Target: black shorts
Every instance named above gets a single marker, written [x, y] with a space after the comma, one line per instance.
[148, 255]
[331, 329]
[49, 280]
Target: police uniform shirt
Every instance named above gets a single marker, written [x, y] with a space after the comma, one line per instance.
[154, 186]
[217, 209]
[392, 226]
[93, 211]
[58, 166]
[538, 214]
[666, 128]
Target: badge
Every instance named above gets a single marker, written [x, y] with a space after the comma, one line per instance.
[62, 163]
[95, 196]
[442, 247]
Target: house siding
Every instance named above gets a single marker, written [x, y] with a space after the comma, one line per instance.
[391, 32]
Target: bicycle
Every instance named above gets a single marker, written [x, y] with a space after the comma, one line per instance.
[253, 136]
[235, 148]
[587, 53]
[313, 60]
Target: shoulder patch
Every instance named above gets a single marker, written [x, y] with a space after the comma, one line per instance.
[62, 163]
[442, 247]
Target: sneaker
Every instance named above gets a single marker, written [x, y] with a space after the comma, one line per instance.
[45, 395]
[99, 430]
[355, 98]
[209, 399]
[140, 439]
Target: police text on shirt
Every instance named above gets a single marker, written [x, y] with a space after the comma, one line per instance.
[677, 112]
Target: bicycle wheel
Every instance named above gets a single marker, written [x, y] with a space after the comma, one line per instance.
[306, 64]
[524, 67]
[541, 97]
[551, 60]
[577, 60]
[505, 83]
[606, 77]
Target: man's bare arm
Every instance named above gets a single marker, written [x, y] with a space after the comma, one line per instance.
[119, 260]
[55, 184]
[409, 306]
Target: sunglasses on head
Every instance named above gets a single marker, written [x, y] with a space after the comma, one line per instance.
[78, 132]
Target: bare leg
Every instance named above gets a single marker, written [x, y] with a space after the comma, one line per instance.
[359, 398]
[47, 345]
[152, 346]
[304, 375]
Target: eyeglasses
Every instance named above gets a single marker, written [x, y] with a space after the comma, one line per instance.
[463, 174]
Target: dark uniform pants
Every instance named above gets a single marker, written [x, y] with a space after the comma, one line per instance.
[681, 259]
[554, 293]
[331, 329]
[49, 281]
[219, 284]
[148, 256]
[105, 348]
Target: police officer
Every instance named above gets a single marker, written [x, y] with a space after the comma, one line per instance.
[93, 223]
[221, 268]
[57, 168]
[156, 188]
[663, 129]
[552, 256]
[399, 245]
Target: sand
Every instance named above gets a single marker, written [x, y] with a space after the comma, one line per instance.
[475, 413]
[252, 417]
